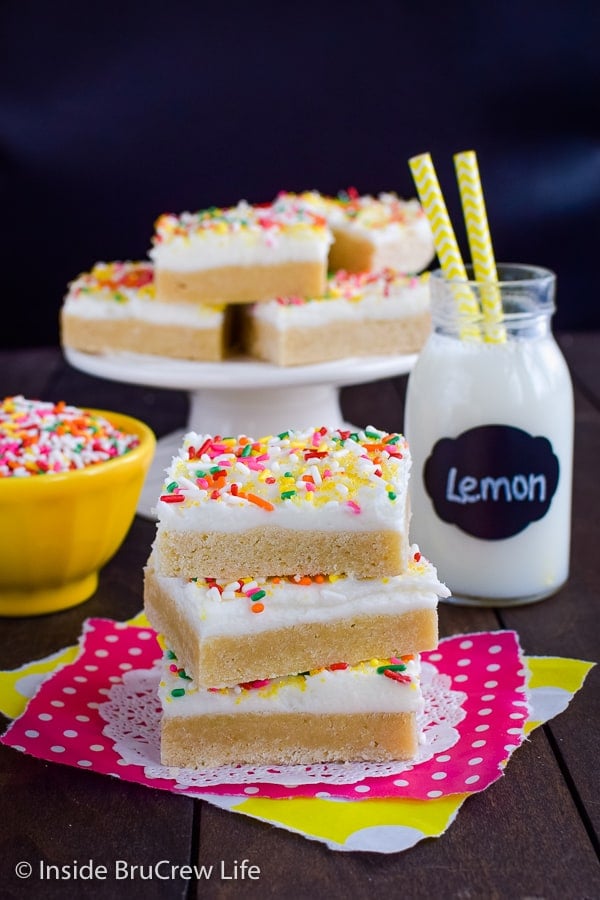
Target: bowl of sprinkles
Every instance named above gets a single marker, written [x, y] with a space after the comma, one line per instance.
[70, 480]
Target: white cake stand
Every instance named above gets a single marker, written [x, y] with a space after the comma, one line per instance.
[239, 396]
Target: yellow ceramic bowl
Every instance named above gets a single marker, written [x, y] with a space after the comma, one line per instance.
[57, 531]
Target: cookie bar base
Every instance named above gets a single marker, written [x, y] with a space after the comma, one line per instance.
[303, 346]
[207, 741]
[241, 284]
[268, 551]
[221, 660]
[134, 336]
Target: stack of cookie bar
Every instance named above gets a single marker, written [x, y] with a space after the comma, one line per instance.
[292, 607]
[264, 268]
[374, 304]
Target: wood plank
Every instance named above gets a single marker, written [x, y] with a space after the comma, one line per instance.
[59, 815]
[568, 624]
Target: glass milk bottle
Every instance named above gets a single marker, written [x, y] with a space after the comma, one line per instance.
[489, 420]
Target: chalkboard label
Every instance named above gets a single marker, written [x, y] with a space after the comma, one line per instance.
[492, 481]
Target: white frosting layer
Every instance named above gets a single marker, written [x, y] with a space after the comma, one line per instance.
[403, 301]
[209, 251]
[209, 613]
[353, 489]
[408, 252]
[241, 235]
[143, 309]
[357, 689]
[230, 516]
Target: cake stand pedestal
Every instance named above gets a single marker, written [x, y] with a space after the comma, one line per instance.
[239, 396]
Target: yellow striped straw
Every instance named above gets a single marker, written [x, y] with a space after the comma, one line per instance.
[480, 243]
[446, 246]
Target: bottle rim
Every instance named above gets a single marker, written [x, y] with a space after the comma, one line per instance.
[520, 275]
[525, 298]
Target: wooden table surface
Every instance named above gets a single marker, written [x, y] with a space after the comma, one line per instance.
[533, 834]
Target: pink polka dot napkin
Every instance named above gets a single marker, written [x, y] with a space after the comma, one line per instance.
[100, 712]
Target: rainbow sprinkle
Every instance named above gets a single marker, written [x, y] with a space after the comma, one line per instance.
[316, 467]
[355, 287]
[276, 218]
[116, 281]
[394, 668]
[258, 591]
[351, 208]
[255, 590]
[378, 212]
[44, 438]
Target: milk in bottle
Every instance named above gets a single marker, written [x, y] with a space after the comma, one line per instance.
[490, 427]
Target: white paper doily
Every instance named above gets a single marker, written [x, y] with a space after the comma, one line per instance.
[132, 713]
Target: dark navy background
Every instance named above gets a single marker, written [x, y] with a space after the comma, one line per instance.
[111, 113]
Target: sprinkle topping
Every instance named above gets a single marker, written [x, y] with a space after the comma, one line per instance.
[378, 212]
[290, 217]
[355, 287]
[44, 438]
[363, 211]
[311, 468]
[396, 668]
[116, 281]
[257, 591]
